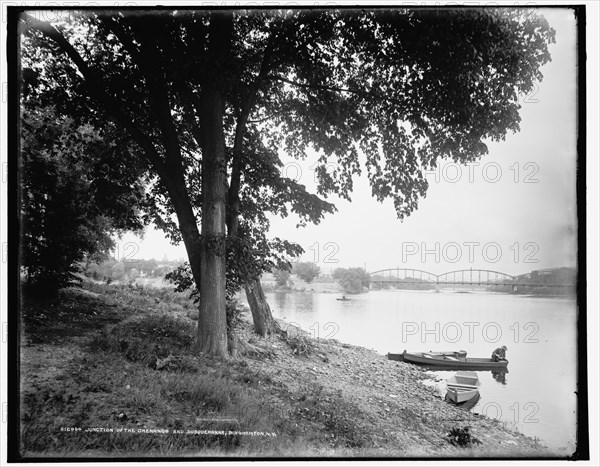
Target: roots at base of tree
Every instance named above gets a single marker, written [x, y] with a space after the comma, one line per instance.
[240, 348]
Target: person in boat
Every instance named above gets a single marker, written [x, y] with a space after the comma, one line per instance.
[499, 354]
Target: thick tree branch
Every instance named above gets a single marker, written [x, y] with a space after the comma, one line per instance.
[95, 87]
[191, 112]
[149, 60]
[233, 200]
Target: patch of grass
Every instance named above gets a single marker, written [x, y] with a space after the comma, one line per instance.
[160, 341]
[134, 397]
[71, 315]
[344, 420]
[252, 378]
[202, 393]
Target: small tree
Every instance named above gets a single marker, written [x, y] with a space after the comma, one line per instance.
[352, 280]
[308, 271]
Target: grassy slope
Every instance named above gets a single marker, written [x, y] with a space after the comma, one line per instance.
[115, 357]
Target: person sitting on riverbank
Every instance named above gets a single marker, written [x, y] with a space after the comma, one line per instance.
[499, 354]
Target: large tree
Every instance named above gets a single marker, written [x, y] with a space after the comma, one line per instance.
[213, 95]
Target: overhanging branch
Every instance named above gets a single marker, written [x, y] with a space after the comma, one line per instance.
[95, 88]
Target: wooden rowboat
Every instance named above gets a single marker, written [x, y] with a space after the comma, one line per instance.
[463, 386]
[431, 359]
[459, 354]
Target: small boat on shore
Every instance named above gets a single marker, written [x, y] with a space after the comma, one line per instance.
[431, 359]
[463, 386]
[459, 354]
[467, 405]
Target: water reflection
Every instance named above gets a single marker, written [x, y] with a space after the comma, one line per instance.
[500, 375]
[299, 302]
[280, 299]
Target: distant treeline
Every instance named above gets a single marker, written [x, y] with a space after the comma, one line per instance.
[379, 282]
[112, 270]
[558, 281]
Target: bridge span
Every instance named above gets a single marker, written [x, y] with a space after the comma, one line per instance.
[480, 277]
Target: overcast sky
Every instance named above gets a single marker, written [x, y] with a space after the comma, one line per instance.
[514, 212]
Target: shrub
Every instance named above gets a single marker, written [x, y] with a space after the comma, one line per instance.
[461, 437]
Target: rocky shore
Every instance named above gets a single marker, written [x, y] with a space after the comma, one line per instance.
[389, 399]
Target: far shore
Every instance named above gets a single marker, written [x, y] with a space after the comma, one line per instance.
[334, 288]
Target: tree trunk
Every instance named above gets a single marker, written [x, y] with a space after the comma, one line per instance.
[264, 324]
[212, 322]
[212, 325]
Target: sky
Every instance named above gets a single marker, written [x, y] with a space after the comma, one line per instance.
[513, 212]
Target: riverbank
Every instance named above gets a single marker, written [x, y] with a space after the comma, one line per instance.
[298, 285]
[111, 371]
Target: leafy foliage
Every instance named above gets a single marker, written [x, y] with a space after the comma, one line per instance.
[306, 271]
[352, 280]
[403, 86]
[462, 437]
[183, 280]
[74, 196]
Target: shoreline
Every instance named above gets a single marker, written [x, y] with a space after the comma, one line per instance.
[269, 288]
[391, 393]
[122, 358]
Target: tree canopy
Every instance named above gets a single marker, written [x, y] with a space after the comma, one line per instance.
[211, 98]
[352, 280]
[306, 271]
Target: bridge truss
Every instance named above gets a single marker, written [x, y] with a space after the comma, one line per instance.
[474, 277]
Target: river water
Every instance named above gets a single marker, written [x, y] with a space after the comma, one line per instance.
[537, 395]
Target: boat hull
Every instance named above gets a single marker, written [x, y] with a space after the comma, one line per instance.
[468, 405]
[458, 396]
[463, 386]
[445, 361]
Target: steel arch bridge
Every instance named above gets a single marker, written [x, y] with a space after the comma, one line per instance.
[460, 276]
[473, 277]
